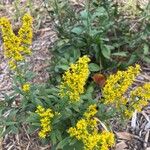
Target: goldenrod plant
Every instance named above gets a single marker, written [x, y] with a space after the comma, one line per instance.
[17, 47]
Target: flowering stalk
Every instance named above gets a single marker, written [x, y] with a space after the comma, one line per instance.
[17, 47]
[115, 89]
[86, 131]
[74, 79]
[45, 119]
[117, 84]
[138, 99]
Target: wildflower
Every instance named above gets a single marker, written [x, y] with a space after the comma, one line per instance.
[74, 79]
[45, 119]
[116, 87]
[118, 84]
[138, 99]
[16, 47]
[87, 132]
[91, 111]
[26, 87]
[25, 33]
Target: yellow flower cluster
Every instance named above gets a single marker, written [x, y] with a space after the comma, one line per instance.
[74, 79]
[86, 131]
[26, 87]
[15, 47]
[138, 99]
[116, 87]
[117, 84]
[25, 33]
[45, 118]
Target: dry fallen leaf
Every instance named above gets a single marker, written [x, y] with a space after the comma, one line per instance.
[134, 119]
[121, 146]
[146, 139]
[145, 115]
[124, 135]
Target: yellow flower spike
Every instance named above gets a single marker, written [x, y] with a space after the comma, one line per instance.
[116, 85]
[74, 79]
[25, 32]
[26, 87]
[138, 99]
[86, 131]
[16, 47]
[45, 119]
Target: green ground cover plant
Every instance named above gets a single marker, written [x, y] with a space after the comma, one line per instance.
[101, 30]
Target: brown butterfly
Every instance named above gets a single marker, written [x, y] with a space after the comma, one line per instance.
[99, 79]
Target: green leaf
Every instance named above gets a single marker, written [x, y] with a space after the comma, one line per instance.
[132, 59]
[17, 90]
[33, 117]
[32, 129]
[84, 14]
[10, 123]
[94, 67]
[146, 59]
[14, 129]
[1, 131]
[77, 54]
[77, 30]
[58, 135]
[63, 143]
[8, 130]
[106, 51]
[63, 67]
[38, 102]
[74, 145]
[90, 89]
[53, 138]
[30, 75]
[100, 11]
[146, 49]
[122, 54]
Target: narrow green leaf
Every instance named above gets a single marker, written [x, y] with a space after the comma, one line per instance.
[146, 59]
[106, 51]
[63, 143]
[77, 30]
[122, 54]
[146, 49]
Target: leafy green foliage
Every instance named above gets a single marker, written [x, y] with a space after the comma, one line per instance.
[101, 31]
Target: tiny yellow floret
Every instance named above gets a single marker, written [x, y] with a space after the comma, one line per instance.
[26, 87]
